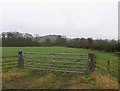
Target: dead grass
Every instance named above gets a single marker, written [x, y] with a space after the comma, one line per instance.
[40, 82]
[96, 81]
[12, 76]
[104, 81]
[51, 81]
[81, 83]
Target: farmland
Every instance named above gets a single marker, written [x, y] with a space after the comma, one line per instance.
[101, 78]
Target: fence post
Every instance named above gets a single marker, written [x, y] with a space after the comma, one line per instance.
[108, 65]
[91, 62]
[20, 59]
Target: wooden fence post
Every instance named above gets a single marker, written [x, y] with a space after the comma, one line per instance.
[108, 65]
[91, 62]
[20, 59]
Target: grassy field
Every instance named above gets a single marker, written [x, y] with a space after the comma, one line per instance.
[101, 78]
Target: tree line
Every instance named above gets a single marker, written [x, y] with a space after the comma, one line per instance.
[16, 39]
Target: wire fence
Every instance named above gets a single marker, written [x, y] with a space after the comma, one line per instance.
[108, 67]
[9, 62]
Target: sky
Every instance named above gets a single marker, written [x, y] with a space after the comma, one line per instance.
[71, 18]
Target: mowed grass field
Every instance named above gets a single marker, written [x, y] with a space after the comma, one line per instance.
[16, 78]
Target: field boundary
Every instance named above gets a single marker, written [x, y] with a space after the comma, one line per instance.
[36, 60]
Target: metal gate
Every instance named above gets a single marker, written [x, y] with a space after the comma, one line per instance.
[60, 62]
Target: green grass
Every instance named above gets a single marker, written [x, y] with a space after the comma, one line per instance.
[13, 77]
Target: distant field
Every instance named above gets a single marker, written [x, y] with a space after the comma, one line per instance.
[42, 79]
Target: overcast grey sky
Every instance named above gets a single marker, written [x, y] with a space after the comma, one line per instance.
[72, 18]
